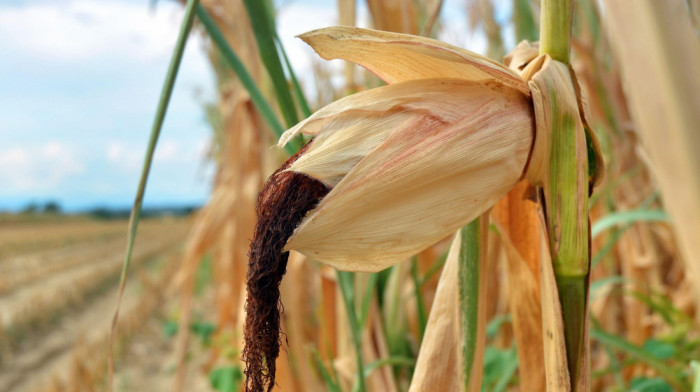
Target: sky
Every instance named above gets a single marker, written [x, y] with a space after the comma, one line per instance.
[79, 84]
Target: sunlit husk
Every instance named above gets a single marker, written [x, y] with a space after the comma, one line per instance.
[519, 231]
[400, 197]
[439, 365]
[398, 57]
[348, 129]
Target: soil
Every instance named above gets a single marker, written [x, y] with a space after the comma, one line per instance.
[55, 321]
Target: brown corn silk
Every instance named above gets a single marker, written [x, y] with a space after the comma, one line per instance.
[282, 204]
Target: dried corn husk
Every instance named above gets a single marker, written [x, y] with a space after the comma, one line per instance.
[398, 57]
[465, 145]
[442, 343]
[519, 229]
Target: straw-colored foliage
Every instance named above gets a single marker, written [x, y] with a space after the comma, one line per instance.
[448, 136]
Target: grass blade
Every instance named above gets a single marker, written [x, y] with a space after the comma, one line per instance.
[239, 68]
[298, 92]
[422, 313]
[346, 280]
[642, 355]
[524, 21]
[261, 22]
[367, 300]
[625, 217]
[472, 302]
[395, 360]
[162, 108]
[325, 374]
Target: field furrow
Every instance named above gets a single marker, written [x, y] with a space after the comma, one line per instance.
[24, 269]
[54, 301]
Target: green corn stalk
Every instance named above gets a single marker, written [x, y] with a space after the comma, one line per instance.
[567, 197]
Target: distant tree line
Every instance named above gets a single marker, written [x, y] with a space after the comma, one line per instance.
[50, 207]
[120, 213]
[53, 207]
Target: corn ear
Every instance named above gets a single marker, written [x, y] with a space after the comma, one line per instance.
[432, 166]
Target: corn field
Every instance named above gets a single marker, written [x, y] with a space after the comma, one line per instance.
[424, 217]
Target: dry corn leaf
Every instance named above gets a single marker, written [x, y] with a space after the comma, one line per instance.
[394, 15]
[301, 328]
[659, 57]
[442, 343]
[398, 57]
[518, 226]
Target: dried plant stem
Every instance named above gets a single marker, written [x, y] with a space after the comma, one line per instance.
[659, 56]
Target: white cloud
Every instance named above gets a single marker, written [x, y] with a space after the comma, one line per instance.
[124, 157]
[128, 157]
[80, 29]
[38, 168]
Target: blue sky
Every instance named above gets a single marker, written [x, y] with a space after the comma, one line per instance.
[79, 83]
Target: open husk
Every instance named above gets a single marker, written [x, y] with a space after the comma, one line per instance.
[398, 57]
[466, 146]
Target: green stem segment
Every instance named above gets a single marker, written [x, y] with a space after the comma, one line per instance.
[573, 292]
[566, 196]
[162, 108]
[555, 28]
[471, 280]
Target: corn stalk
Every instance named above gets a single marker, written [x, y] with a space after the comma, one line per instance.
[566, 187]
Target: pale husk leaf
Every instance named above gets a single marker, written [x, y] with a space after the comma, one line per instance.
[439, 364]
[398, 57]
[350, 128]
[526, 61]
[428, 95]
[519, 230]
[401, 197]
